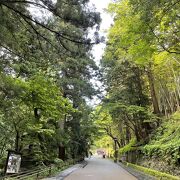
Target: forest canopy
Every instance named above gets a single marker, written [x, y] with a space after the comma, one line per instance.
[45, 72]
[141, 70]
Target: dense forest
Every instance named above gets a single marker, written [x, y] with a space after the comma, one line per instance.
[46, 72]
[142, 77]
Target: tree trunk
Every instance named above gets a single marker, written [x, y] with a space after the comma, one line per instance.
[153, 92]
[62, 152]
[61, 148]
[17, 141]
[122, 140]
[127, 135]
[138, 137]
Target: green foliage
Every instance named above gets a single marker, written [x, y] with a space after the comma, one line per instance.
[134, 38]
[128, 147]
[45, 95]
[162, 19]
[159, 175]
[141, 70]
[19, 100]
[58, 161]
[166, 140]
[45, 77]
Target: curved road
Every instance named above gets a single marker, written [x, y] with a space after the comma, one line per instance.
[100, 169]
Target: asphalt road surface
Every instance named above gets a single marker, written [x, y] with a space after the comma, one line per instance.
[100, 169]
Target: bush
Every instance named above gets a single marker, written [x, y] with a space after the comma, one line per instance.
[58, 161]
[127, 148]
[165, 142]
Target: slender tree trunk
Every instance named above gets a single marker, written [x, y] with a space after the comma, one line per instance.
[17, 141]
[139, 88]
[138, 137]
[61, 148]
[153, 92]
[167, 98]
[177, 100]
[62, 152]
[122, 140]
[127, 135]
[118, 143]
[177, 91]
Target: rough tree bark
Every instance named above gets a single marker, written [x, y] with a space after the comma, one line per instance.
[153, 91]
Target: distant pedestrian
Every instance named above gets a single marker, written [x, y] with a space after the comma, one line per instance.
[90, 154]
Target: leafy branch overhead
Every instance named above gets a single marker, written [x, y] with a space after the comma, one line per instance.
[141, 71]
[60, 17]
[46, 70]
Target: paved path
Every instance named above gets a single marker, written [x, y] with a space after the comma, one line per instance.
[100, 169]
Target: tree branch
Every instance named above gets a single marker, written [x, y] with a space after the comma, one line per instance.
[162, 45]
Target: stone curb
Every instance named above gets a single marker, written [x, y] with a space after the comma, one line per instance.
[139, 175]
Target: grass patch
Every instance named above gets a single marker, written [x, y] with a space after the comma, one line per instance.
[159, 175]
